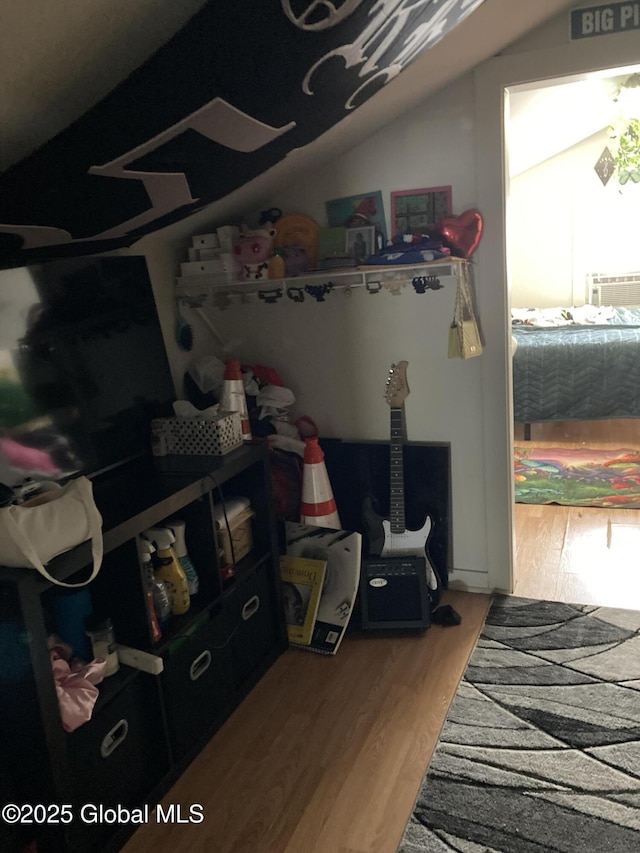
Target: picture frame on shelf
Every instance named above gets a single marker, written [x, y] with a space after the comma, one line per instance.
[363, 209]
[360, 242]
[415, 211]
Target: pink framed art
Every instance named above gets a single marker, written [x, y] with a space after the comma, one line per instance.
[415, 211]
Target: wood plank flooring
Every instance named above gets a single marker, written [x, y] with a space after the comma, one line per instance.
[585, 555]
[582, 555]
[326, 754]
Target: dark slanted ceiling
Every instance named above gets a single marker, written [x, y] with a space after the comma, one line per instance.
[236, 89]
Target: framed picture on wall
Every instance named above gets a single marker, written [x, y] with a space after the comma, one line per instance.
[415, 211]
[360, 242]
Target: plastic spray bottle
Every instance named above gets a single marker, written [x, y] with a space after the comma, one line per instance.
[177, 527]
[169, 570]
[157, 597]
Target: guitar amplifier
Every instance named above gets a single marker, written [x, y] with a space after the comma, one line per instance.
[394, 593]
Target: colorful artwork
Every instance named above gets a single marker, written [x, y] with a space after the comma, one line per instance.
[581, 477]
[357, 210]
[417, 211]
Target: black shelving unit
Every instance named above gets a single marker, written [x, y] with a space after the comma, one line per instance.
[144, 729]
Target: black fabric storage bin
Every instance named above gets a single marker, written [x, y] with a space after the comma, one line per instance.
[251, 608]
[117, 758]
[198, 683]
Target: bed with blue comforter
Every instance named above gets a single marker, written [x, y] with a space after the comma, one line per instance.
[576, 363]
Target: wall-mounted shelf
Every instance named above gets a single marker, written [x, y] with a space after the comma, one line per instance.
[195, 289]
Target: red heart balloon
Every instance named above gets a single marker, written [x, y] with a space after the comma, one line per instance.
[462, 232]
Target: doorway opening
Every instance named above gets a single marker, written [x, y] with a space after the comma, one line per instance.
[570, 227]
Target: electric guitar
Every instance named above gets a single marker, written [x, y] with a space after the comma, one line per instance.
[388, 537]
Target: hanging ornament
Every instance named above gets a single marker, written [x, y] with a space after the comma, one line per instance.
[604, 168]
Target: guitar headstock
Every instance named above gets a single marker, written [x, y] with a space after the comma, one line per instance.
[397, 387]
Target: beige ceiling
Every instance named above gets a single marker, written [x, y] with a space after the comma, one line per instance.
[59, 58]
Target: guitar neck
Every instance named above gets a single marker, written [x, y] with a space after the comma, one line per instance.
[396, 503]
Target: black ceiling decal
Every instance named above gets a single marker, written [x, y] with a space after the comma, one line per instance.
[228, 97]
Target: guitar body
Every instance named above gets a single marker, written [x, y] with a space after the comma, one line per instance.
[388, 537]
[409, 543]
[384, 542]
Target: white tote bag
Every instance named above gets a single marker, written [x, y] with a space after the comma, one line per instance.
[35, 532]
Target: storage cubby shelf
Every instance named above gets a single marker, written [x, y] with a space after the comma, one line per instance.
[211, 656]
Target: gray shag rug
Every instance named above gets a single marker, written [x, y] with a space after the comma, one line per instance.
[540, 751]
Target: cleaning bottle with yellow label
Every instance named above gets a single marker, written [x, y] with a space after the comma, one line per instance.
[168, 569]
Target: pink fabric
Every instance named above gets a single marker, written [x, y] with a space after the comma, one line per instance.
[29, 458]
[75, 685]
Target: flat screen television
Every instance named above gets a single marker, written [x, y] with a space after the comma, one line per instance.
[83, 367]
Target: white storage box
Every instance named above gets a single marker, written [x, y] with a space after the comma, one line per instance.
[227, 235]
[237, 541]
[205, 241]
[208, 254]
[230, 263]
[202, 267]
[203, 254]
[210, 436]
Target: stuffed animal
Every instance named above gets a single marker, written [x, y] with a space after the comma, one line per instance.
[252, 250]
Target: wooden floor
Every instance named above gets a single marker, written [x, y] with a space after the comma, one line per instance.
[584, 555]
[326, 754]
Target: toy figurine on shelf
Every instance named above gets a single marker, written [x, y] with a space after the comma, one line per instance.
[276, 264]
[252, 250]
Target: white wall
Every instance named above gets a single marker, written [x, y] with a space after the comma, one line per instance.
[564, 223]
[431, 146]
[549, 206]
[335, 355]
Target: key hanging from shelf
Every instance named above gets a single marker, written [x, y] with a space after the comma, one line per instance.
[373, 286]
[296, 294]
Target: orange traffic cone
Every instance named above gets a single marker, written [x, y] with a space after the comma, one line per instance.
[318, 505]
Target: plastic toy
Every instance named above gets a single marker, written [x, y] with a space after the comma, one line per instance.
[252, 250]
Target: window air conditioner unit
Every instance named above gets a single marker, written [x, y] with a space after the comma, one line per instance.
[609, 289]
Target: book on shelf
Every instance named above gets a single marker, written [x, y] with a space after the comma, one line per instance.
[302, 580]
[341, 550]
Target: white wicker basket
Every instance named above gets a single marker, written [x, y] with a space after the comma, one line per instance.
[211, 436]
